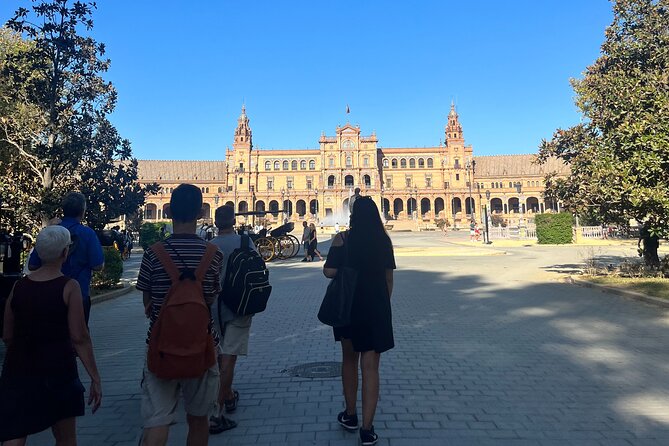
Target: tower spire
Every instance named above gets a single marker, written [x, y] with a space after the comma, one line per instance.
[453, 129]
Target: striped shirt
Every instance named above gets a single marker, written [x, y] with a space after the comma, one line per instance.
[153, 278]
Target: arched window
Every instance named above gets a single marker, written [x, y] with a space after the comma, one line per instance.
[385, 163]
[430, 163]
[403, 163]
[312, 164]
[349, 161]
[206, 190]
[421, 163]
[331, 181]
[285, 165]
[268, 165]
[394, 163]
[276, 165]
[293, 165]
[412, 163]
[303, 165]
[331, 162]
[220, 189]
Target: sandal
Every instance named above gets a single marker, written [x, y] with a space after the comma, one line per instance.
[231, 405]
[220, 424]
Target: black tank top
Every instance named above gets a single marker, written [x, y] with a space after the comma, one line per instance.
[41, 346]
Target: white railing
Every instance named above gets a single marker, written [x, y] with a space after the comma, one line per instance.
[524, 232]
[591, 232]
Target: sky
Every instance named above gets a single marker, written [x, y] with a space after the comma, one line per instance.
[183, 69]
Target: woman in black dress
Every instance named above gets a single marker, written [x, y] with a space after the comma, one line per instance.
[313, 244]
[44, 326]
[367, 248]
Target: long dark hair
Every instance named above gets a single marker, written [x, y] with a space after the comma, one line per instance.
[368, 241]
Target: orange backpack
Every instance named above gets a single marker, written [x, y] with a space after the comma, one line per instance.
[181, 345]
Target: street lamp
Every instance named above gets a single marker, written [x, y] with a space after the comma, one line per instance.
[216, 198]
[521, 208]
[383, 213]
[283, 203]
[415, 193]
[487, 217]
[471, 168]
[316, 192]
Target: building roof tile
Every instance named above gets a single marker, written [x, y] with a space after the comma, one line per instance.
[162, 171]
[516, 165]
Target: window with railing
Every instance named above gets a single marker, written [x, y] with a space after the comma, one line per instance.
[289, 183]
[270, 184]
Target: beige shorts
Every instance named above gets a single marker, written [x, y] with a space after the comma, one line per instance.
[235, 336]
[160, 397]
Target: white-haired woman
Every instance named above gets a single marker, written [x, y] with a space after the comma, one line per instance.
[44, 320]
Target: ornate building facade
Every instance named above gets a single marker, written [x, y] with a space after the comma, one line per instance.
[413, 185]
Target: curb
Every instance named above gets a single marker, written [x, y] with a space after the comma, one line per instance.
[625, 293]
[112, 294]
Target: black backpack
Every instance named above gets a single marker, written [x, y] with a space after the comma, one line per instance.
[246, 287]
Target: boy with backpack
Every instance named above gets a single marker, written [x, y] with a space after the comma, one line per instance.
[179, 277]
[244, 291]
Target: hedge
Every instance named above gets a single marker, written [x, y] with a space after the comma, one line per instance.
[110, 275]
[554, 229]
[149, 233]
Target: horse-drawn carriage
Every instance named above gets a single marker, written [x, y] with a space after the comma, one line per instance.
[279, 244]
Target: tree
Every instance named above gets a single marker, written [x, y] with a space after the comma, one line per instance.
[53, 118]
[619, 154]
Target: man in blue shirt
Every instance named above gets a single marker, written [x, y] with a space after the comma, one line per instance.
[85, 253]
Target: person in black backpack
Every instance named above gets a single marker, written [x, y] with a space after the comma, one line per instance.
[235, 307]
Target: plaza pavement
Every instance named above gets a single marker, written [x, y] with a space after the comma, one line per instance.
[490, 350]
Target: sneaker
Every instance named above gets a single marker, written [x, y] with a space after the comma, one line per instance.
[348, 422]
[368, 437]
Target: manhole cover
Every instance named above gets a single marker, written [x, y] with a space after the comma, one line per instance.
[316, 370]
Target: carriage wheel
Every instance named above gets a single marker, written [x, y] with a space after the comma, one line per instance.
[283, 247]
[296, 245]
[265, 248]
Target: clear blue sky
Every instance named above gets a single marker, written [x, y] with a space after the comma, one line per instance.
[182, 70]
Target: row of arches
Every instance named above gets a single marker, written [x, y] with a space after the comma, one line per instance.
[290, 165]
[412, 162]
[397, 206]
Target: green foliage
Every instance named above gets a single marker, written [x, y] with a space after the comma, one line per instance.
[497, 220]
[149, 233]
[441, 222]
[554, 229]
[54, 128]
[619, 154]
[111, 273]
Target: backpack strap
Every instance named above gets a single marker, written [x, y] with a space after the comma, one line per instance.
[167, 262]
[205, 263]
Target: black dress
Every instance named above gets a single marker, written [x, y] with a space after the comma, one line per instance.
[40, 384]
[371, 316]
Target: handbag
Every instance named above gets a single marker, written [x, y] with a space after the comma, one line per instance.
[336, 307]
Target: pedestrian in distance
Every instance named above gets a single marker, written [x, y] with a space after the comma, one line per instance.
[366, 248]
[313, 244]
[472, 230]
[180, 280]
[233, 328]
[44, 326]
[85, 254]
[306, 236]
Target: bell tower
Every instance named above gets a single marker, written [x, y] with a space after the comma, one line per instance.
[454, 135]
[243, 135]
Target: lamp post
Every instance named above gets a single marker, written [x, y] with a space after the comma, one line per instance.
[487, 217]
[470, 166]
[519, 189]
[415, 193]
[316, 192]
[216, 198]
[283, 204]
[383, 213]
